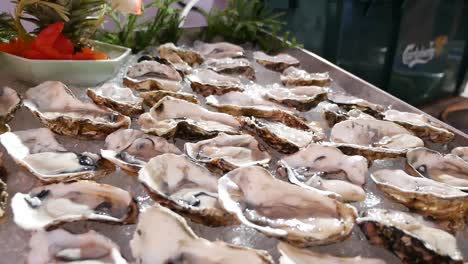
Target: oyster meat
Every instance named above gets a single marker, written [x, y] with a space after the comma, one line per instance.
[252, 102]
[163, 236]
[420, 125]
[50, 205]
[425, 196]
[227, 152]
[373, 139]
[275, 63]
[117, 98]
[303, 98]
[334, 114]
[10, 101]
[55, 105]
[301, 216]
[153, 97]
[219, 50]
[152, 75]
[238, 66]
[461, 152]
[207, 82]
[409, 238]
[349, 102]
[178, 118]
[131, 149]
[186, 187]
[449, 169]
[327, 168]
[178, 55]
[60, 246]
[294, 255]
[38, 151]
[279, 136]
[293, 76]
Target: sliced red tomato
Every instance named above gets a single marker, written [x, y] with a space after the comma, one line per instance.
[64, 45]
[48, 35]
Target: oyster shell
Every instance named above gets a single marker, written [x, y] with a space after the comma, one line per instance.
[219, 50]
[335, 114]
[293, 255]
[449, 169]
[54, 204]
[373, 139]
[207, 82]
[326, 168]
[227, 152]
[303, 98]
[178, 55]
[420, 125]
[186, 187]
[428, 197]
[301, 216]
[34, 149]
[162, 237]
[251, 102]
[60, 246]
[349, 102]
[10, 101]
[410, 239]
[117, 98]
[153, 97]
[172, 117]
[239, 66]
[55, 105]
[275, 63]
[279, 136]
[131, 149]
[461, 152]
[293, 76]
[152, 75]
[3, 196]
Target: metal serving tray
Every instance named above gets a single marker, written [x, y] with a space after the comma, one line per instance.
[14, 248]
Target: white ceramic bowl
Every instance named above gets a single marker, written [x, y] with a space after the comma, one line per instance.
[73, 72]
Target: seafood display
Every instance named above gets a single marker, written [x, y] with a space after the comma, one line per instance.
[233, 156]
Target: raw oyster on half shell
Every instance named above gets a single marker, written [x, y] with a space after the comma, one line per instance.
[131, 149]
[153, 97]
[301, 216]
[425, 196]
[373, 139]
[334, 114]
[238, 66]
[275, 63]
[449, 168]
[302, 98]
[60, 246]
[38, 151]
[252, 102]
[172, 117]
[219, 50]
[227, 152]
[207, 82]
[50, 205]
[420, 125]
[409, 238]
[186, 187]
[279, 136]
[178, 55]
[117, 98]
[152, 75]
[327, 168]
[55, 105]
[10, 101]
[293, 76]
[461, 152]
[294, 255]
[163, 237]
[349, 102]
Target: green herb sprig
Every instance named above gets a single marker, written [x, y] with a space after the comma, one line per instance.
[139, 33]
[248, 21]
[7, 27]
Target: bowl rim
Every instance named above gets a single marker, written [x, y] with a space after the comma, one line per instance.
[124, 53]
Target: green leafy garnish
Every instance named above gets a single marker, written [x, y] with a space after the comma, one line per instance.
[7, 27]
[138, 33]
[248, 21]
